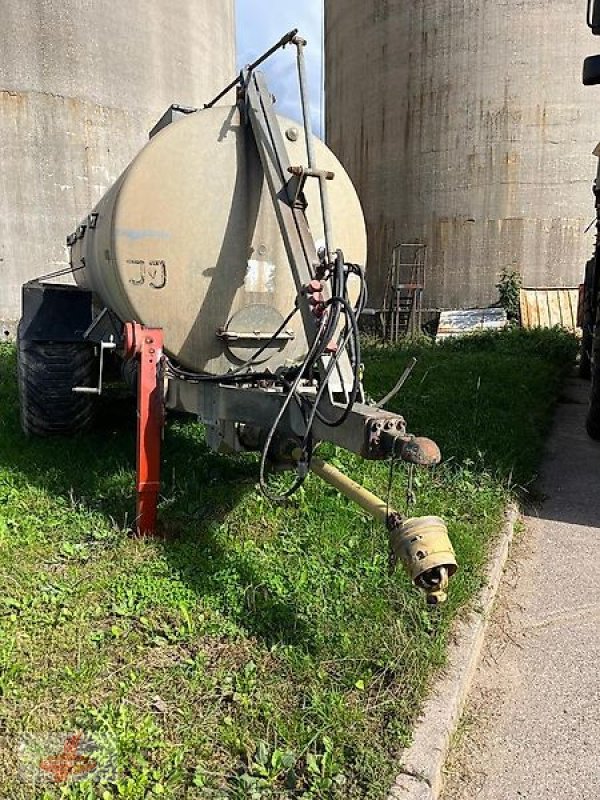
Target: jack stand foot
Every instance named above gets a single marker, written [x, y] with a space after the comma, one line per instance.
[146, 344]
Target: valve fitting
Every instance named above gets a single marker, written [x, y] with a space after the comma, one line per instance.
[423, 546]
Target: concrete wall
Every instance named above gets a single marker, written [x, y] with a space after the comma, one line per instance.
[464, 125]
[81, 84]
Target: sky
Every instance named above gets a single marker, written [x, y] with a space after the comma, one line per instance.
[261, 23]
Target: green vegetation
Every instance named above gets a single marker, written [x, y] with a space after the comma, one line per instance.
[509, 292]
[256, 652]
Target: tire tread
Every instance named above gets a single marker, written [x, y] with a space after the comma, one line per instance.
[47, 373]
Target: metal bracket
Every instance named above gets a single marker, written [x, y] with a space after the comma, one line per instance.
[106, 327]
[295, 185]
[255, 336]
[380, 433]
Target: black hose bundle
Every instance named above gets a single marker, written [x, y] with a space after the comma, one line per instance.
[347, 341]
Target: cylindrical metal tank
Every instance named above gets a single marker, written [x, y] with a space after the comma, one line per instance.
[188, 240]
[464, 126]
[81, 84]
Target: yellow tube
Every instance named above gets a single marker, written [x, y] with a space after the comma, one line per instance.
[373, 505]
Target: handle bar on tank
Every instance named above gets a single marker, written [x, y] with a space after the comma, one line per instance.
[283, 42]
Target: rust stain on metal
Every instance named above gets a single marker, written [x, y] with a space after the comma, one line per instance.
[12, 99]
[421, 451]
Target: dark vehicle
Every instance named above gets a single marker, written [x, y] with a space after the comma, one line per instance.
[589, 307]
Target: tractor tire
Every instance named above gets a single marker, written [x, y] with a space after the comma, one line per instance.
[593, 417]
[585, 362]
[47, 373]
[585, 354]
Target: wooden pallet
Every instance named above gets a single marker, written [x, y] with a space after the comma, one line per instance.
[549, 308]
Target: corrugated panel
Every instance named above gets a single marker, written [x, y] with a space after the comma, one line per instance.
[459, 323]
[549, 308]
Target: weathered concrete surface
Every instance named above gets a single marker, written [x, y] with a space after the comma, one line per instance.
[81, 84]
[532, 728]
[424, 761]
[464, 125]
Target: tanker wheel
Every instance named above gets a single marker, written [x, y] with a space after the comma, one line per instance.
[593, 418]
[585, 355]
[47, 373]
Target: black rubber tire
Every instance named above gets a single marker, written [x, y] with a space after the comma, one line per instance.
[593, 417]
[47, 373]
[584, 367]
[585, 353]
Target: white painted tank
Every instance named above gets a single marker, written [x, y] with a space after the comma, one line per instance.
[464, 126]
[81, 84]
[188, 240]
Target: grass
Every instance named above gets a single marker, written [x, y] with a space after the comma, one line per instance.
[257, 652]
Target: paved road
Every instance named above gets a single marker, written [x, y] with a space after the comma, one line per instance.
[532, 726]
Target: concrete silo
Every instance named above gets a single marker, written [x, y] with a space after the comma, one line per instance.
[465, 126]
[81, 84]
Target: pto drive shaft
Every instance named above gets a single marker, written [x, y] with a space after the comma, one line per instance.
[422, 544]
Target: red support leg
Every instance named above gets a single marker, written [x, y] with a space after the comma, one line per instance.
[146, 344]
